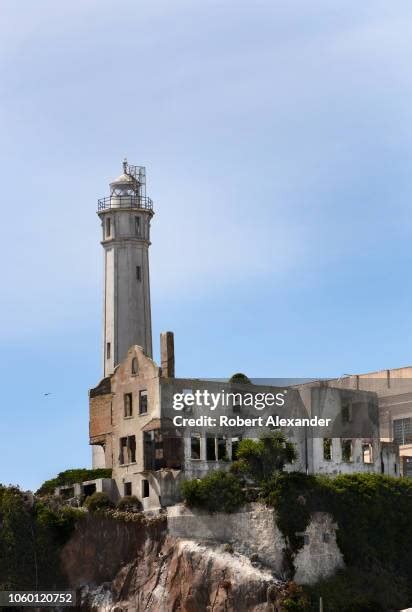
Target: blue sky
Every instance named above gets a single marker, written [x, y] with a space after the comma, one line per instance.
[277, 139]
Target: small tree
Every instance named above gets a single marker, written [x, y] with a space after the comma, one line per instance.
[129, 503]
[240, 379]
[261, 459]
[218, 491]
[98, 501]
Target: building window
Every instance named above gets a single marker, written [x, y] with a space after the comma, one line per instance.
[221, 449]
[237, 402]
[137, 226]
[128, 404]
[145, 488]
[402, 431]
[215, 449]
[235, 446]
[327, 449]
[134, 365]
[127, 450]
[367, 454]
[127, 488]
[346, 412]
[195, 446]
[210, 449]
[347, 451]
[143, 402]
[108, 227]
[108, 350]
[138, 273]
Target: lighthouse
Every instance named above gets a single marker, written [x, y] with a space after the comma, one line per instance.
[125, 217]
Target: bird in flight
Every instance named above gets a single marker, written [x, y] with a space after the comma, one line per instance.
[49, 393]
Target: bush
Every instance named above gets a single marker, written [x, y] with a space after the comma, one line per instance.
[353, 590]
[98, 501]
[260, 459]
[240, 379]
[129, 503]
[31, 539]
[374, 533]
[70, 477]
[219, 491]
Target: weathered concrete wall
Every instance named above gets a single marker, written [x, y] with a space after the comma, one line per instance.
[250, 531]
[253, 530]
[320, 556]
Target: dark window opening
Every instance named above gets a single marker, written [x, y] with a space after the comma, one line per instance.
[237, 402]
[346, 412]
[134, 365]
[108, 227]
[138, 273]
[195, 446]
[127, 488]
[327, 449]
[137, 226]
[145, 488]
[210, 449]
[127, 450]
[142, 402]
[347, 451]
[89, 489]
[221, 449]
[128, 404]
[67, 492]
[108, 350]
[160, 452]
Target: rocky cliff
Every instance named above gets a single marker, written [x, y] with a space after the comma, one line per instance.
[118, 565]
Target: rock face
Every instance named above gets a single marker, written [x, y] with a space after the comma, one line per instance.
[192, 561]
[124, 566]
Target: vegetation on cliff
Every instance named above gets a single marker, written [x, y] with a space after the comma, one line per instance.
[372, 513]
[31, 537]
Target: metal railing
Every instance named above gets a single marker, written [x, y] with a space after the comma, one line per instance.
[128, 201]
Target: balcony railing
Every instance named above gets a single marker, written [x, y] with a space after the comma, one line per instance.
[127, 201]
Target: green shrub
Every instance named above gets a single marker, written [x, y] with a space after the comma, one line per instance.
[219, 491]
[374, 533]
[129, 503]
[72, 476]
[240, 379]
[260, 459]
[354, 590]
[98, 501]
[31, 539]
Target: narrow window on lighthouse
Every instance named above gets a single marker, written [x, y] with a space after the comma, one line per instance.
[138, 273]
[108, 350]
[108, 227]
[137, 226]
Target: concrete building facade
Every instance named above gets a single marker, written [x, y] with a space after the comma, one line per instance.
[129, 409]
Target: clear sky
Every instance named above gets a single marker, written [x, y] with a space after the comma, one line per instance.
[277, 138]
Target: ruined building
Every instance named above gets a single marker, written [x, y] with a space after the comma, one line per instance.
[130, 408]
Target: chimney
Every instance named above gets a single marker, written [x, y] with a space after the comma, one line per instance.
[167, 354]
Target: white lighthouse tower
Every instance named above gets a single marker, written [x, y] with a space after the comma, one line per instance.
[125, 217]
